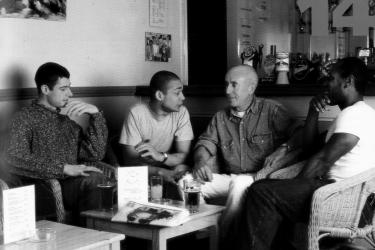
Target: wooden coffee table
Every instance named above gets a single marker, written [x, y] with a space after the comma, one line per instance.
[207, 217]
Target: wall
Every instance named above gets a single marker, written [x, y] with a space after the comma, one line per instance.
[101, 43]
[274, 26]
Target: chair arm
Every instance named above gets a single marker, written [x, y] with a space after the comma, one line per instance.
[333, 188]
[3, 185]
[339, 205]
[109, 171]
[55, 187]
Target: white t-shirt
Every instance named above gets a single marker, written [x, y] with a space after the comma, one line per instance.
[141, 125]
[358, 120]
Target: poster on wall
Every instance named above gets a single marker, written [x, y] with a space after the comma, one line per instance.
[52, 10]
[158, 47]
[158, 13]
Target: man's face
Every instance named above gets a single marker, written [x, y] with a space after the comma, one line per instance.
[335, 91]
[238, 89]
[173, 97]
[60, 94]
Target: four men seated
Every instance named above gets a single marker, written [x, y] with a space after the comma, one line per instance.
[249, 139]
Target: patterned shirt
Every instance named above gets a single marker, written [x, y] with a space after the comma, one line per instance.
[43, 141]
[242, 144]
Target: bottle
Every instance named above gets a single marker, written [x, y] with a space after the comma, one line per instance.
[269, 65]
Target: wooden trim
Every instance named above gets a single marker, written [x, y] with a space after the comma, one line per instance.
[30, 93]
[262, 90]
[199, 91]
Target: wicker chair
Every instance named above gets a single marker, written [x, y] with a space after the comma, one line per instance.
[336, 208]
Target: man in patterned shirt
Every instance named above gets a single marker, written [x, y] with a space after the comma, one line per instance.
[46, 144]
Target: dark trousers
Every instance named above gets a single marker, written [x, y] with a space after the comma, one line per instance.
[270, 205]
[79, 194]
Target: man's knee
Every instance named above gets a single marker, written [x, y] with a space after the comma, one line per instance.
[241, 182]
[258, 187]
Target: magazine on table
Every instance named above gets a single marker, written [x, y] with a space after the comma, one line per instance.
[151, 214]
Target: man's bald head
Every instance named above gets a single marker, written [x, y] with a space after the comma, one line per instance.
[241, 83]
[245, 71]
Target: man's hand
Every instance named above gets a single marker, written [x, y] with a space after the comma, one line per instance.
[203, 172]
[147, 151]
[318, 103]
[77, 108]
[275, 157]
[79, 170]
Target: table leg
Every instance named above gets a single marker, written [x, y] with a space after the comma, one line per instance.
[115, 246]
[213, 237]
[159, 241]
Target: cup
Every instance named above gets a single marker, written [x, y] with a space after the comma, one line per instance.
[106, 195]
[192, 190]
[43, 235]
[156, 186]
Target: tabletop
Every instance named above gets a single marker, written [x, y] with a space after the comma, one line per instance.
[68, 238]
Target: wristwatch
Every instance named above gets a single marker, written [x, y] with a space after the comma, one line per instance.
[165, 155]
[286, 145]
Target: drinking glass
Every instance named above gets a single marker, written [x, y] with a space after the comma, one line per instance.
[106, 195]
[192, 190]
[156, 184]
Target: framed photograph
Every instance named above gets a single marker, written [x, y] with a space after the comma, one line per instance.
[53, 10]
[158, 47]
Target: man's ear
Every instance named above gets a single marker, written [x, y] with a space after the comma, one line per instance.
[252, 88]
[45, 89]
[159, 95]
[349, 81]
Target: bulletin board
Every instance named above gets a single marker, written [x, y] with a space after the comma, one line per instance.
[102, 43]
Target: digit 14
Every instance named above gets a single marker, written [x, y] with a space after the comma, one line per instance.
[360, 20]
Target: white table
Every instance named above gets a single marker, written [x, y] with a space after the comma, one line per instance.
[70, 238]
[207, 217]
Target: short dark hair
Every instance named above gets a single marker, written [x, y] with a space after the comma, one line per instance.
[355, 67]
[48, 74]
[160, 80]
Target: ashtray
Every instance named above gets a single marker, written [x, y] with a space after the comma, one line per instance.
[43, 235]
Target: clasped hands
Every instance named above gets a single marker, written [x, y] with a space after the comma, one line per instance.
[77, 108]
[148, 152]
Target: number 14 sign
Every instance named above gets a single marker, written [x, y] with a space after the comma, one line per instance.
[360, 21]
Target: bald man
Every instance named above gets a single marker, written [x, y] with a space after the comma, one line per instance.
[252, 133]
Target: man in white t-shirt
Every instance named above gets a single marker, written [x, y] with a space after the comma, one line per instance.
[159, 133]
[273, 204]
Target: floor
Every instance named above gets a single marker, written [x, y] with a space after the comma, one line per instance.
[186, 242]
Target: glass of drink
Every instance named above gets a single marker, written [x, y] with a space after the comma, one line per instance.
[106, 195]
[156, 185]
[192, 190]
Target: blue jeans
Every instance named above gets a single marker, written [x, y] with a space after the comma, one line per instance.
[269, 205]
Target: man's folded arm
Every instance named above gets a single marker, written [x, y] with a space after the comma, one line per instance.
[94, 141]
[319, 164]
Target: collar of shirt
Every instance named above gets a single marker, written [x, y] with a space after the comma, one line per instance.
[253, 108]
[45, 108]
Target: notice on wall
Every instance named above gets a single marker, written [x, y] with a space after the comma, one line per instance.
[132, 184]
[18, 213]
[158, 13]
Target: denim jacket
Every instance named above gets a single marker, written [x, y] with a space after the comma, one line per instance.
[242, 144]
